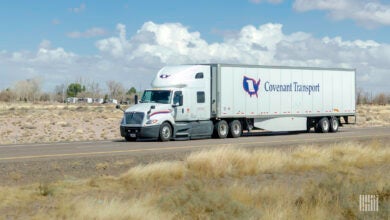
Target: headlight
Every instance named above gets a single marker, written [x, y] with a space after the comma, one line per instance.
[123, 121]
[150, 122]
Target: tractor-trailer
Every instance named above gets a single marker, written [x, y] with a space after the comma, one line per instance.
[224, 100]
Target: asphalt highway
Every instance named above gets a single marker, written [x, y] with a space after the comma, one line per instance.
[53, 151]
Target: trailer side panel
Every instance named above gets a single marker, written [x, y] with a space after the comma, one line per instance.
[259, 91]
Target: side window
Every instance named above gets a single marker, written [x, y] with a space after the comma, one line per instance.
[177, 97]
[200, 97]
[199, 76]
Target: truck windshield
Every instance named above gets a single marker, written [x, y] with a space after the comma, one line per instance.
[156, 96]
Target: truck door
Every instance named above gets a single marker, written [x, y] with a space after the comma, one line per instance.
[179, 111]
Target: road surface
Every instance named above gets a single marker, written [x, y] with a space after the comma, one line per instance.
[50, 151]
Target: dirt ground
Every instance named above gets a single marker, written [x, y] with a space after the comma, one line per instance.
[42, 123]
[52, 170]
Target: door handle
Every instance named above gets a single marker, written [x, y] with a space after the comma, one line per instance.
[182, 110]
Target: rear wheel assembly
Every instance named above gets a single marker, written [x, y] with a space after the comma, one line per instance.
[221, 129]
[323, 125]
[334, 124]
[235, 129]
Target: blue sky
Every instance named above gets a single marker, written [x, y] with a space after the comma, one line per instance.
[61, 41]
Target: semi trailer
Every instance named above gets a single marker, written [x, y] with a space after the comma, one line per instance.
[225, 100]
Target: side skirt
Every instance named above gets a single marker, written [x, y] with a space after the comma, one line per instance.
[193, 130]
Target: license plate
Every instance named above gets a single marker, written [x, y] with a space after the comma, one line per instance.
[132, 135]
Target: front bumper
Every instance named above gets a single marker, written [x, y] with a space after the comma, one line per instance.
[149, 132]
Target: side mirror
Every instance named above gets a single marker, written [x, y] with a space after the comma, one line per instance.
[119, 107]
[136, 99]
[181, 100]
[150, 110]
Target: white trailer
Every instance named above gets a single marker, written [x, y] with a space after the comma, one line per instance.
[222, 100]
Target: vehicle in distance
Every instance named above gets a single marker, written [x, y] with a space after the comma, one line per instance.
[223, 100]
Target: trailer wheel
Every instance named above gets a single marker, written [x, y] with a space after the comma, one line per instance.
[334, 124]
[323, 125]
[221, 129]
[165, 133]
[235, 129]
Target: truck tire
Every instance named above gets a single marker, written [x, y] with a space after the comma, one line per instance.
[165, 133]
[221, 129]
[323, 125]
[334, 124]
[235, 130]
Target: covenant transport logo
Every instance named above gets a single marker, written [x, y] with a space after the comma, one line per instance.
[251, 86]
[295, 86]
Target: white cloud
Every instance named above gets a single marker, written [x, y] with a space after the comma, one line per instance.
[356, 43]
[367, 13]
[56, 22]
[79, 9]
[46, 44]
[46, 54]
[50, 55]
[92, 32]
[135, 59]
[115, 45]
[173, 43]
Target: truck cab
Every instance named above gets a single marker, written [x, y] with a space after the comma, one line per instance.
[176, 107]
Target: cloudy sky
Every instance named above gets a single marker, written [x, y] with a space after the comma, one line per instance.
[128, 41]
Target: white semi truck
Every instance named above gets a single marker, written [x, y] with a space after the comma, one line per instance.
[223, 100]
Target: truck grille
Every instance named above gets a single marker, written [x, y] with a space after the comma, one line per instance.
[134, 117]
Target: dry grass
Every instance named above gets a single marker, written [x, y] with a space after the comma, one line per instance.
[306, 182]
[37, 123]
[95, 208]
[373, 115]
[154, 175]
